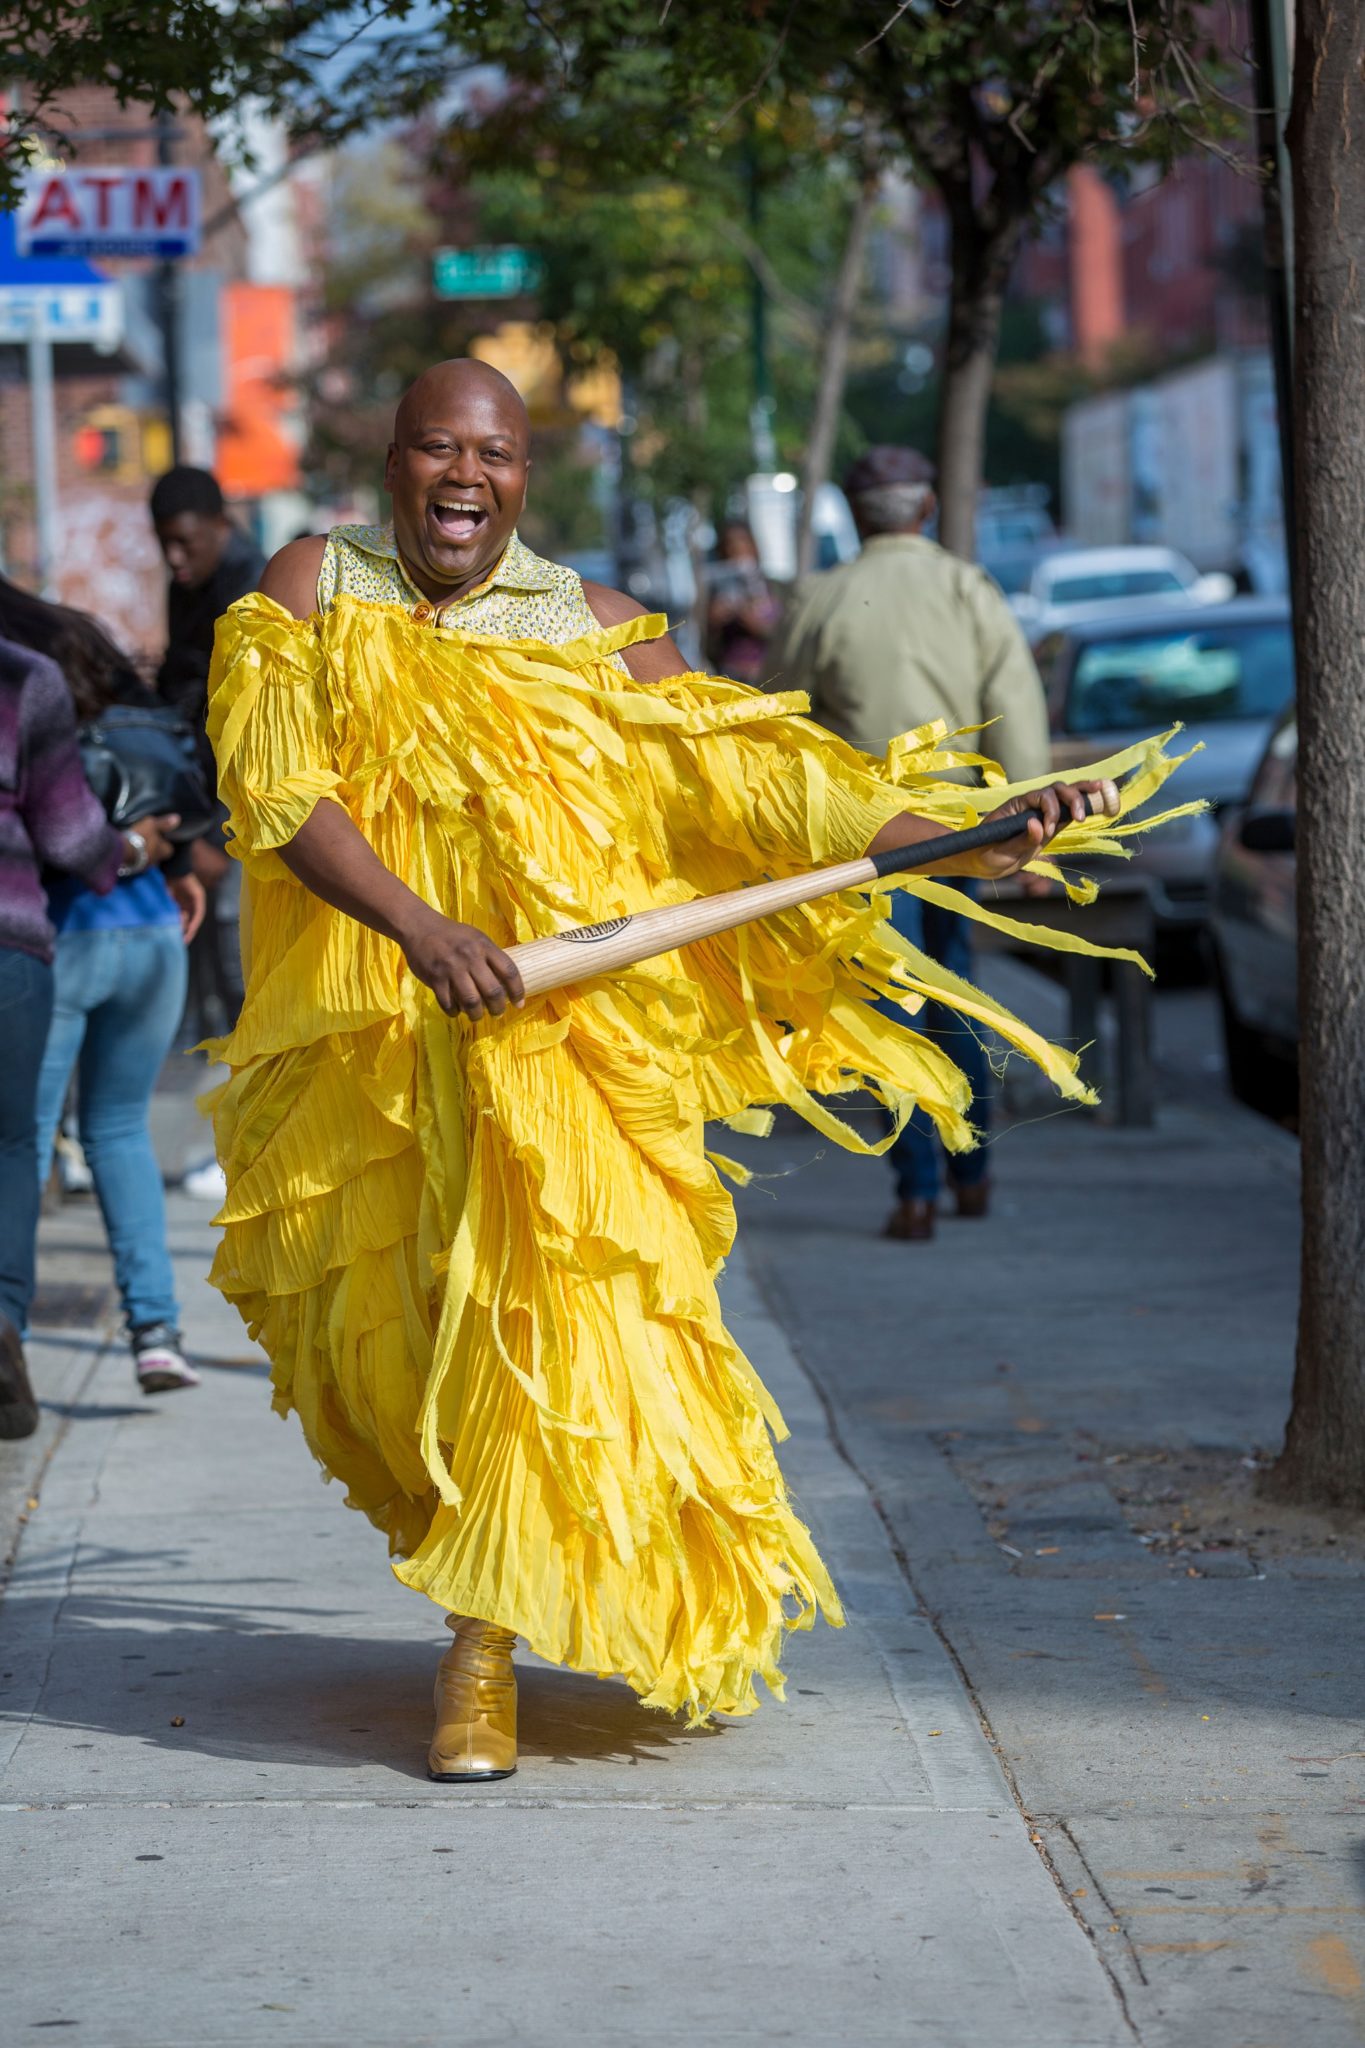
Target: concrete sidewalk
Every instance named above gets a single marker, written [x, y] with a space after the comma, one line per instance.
[1058, 1415]
[217, 1828]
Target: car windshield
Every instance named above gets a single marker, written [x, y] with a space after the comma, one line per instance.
[1223, 671]
[1101, 586]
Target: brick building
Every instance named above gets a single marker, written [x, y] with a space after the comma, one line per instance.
[1167, 261]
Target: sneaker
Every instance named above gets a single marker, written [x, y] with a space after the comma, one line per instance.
[18, 1409]
[206, 1183]
[161, 1367]
[73, 1168]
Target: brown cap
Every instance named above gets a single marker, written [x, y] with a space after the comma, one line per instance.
[886, 465]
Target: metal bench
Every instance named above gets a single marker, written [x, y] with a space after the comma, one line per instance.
[1122, 916]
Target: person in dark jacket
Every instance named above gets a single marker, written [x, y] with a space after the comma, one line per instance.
[49, 817]
[212, 564]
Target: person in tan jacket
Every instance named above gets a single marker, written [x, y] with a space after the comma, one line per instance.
[904, 634]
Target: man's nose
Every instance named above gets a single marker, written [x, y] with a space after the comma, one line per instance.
[464, 467]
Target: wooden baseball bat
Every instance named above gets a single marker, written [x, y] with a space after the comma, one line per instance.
[591, 949]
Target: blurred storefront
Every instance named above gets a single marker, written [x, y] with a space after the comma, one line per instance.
[238, 343]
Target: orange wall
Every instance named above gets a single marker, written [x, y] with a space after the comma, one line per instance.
[257, 449]
[1097, 309]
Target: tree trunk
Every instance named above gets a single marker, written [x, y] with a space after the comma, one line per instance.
[1324, 1455]
[829, 396]
[981, 269]
[693, 631]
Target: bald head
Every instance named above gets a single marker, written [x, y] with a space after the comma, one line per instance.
[446, 385]
[457, 470]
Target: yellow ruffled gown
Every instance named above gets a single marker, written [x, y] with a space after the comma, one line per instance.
[482, 1259]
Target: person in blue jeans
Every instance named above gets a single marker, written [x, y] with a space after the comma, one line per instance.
[915, 1156]
[119, 981]
[908, 635]
[118, 990]
[49, 819]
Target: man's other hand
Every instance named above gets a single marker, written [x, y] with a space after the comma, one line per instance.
[467, 973]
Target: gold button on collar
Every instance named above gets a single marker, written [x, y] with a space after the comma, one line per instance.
[421, 612]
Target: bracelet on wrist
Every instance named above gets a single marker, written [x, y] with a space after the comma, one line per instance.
[141, 857]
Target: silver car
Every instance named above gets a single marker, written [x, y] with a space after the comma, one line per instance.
[1079, 586]
[1255, 933]
[1224, 671]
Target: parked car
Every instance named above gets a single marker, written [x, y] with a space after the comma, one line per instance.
[1224, 671]
[1254, 932]
[1070, 586]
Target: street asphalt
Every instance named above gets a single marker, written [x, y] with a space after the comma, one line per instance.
[1070, 1778]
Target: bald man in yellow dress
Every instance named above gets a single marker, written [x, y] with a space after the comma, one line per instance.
[478, 1236]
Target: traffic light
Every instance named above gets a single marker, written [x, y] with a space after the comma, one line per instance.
[114, 441]
[99, 447]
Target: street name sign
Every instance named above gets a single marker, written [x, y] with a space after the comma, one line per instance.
[119, 211]
[89, 313]
[503, 272]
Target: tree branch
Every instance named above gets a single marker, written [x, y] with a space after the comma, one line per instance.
[764, 75]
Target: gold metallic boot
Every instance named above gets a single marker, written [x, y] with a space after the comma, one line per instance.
[476, 1705]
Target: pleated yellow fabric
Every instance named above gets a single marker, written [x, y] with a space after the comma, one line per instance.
[483, 1260]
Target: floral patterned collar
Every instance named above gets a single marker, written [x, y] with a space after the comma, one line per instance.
[519, 568]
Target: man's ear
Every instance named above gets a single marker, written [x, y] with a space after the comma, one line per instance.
[930, 507]
[389, 460]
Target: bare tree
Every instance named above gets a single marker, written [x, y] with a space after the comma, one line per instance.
[829, 394]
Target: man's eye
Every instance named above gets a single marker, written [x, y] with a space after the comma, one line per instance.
[497, 455]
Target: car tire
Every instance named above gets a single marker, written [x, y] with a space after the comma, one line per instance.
[1258, 1075]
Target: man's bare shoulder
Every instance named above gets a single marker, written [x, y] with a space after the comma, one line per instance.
[649, 661]
[291, 576]
[610, 607]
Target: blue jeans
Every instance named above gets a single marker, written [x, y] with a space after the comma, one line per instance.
[25, 1007]
[118, 999]
[914, 1157]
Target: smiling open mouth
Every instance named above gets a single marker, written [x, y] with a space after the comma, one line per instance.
[456, 519]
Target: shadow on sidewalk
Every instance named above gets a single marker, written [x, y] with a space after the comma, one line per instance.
[250, 1690]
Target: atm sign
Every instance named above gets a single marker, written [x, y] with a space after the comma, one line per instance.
[85, 211]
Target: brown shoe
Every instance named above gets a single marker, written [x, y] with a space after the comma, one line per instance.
[18, 1409]
[974, 1201]
[911, 1222]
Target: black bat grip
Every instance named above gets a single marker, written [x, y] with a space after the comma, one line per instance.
[951, 845]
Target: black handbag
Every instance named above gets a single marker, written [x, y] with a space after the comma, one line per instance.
[141, 763]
